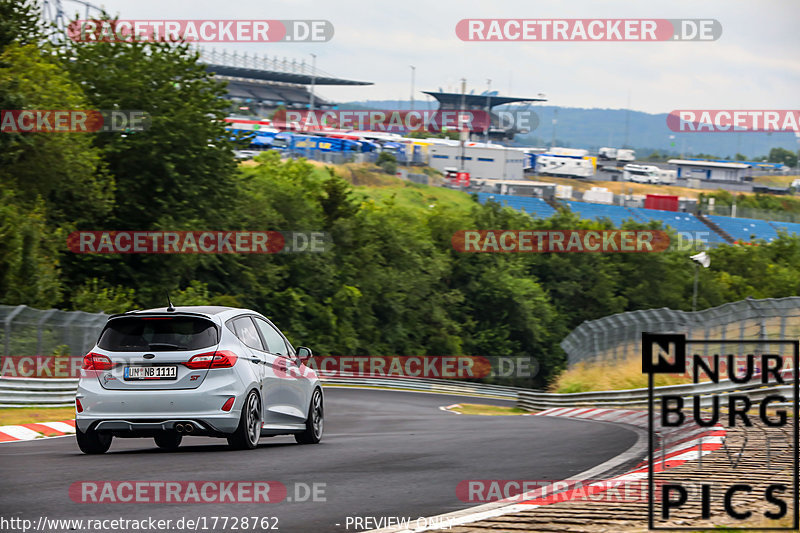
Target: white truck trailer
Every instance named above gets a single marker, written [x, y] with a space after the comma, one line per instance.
[568, 167]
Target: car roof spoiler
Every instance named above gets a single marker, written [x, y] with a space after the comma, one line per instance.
[138, 313]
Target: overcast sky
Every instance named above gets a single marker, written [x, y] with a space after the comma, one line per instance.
[754, 65]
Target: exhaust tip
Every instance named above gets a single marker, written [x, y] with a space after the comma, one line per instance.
[179, 428]
[188, 428]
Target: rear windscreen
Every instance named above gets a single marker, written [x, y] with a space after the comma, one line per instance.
[158, 334]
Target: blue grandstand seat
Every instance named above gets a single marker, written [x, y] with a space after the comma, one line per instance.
[747, 229]
[681, 222]
[792, 228]
[535, 207]
[616, 213]
[741, 229]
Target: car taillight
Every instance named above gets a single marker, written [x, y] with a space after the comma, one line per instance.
[78, 405]
[218, 359]
[95, 361]
[228, 405]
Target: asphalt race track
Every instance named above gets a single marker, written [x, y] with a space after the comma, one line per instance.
[384, 453]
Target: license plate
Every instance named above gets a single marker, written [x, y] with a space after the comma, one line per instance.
[151, 372]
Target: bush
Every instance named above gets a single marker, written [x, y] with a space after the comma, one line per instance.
[388, 162]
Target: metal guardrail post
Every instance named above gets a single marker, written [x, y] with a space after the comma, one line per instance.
[8, 320]
[782, 332]
[68, 330]
[45, 315]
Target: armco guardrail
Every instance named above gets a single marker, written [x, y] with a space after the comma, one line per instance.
[60, 392]
[534, 401]
[38, 392]
[427, 385]
[20, 392]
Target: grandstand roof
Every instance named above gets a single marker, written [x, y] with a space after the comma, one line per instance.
[277, 76]
[478, 99]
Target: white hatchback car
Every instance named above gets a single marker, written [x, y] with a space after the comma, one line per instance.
[213, 371]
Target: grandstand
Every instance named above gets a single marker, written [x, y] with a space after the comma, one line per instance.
[748, 229]
[535, 207]
[682, 222]
[257, 85]
[742, 230]
[787, 227]
[617, 214]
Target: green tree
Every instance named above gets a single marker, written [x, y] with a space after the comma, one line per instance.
[20, 22]
[95, 296]
[782, 155]
[178, 174]
[388, 162]
[181, 167]
[64, 169]
[29, 254]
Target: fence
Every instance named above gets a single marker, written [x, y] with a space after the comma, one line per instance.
[751, 212]
[618, 337]
[27, 331]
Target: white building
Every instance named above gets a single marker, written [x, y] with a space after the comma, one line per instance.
[710, 170]
[480, 160]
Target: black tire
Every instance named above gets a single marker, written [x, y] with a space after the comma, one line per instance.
[314, 422]
[92, 442]
[247, 434]
[168, 440]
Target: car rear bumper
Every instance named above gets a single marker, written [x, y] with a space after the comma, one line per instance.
[214, 427]
[143, 413]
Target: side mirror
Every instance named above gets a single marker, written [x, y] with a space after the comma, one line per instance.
[304, 354]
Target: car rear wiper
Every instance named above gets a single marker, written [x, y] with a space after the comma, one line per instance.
[166, 345]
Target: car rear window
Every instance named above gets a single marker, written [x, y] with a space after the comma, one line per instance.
[158, 334]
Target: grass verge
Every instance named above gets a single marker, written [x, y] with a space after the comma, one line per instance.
[487, 410]
[13, 416]
[610, 375]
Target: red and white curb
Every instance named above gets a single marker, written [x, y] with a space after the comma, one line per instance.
[43, 430]
[678, 445]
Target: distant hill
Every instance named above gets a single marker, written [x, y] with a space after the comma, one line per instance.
[592, 128]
